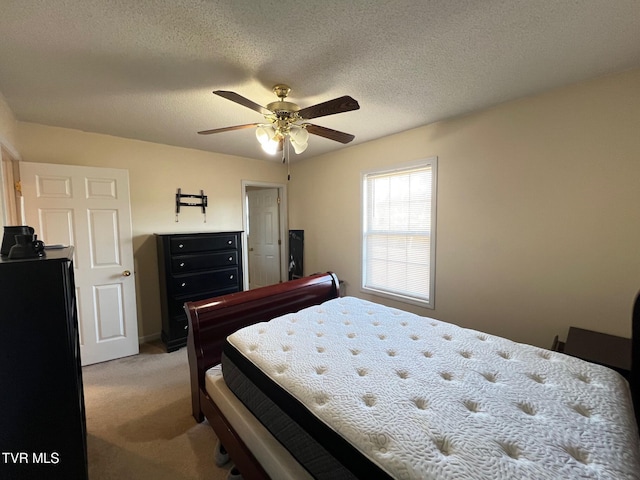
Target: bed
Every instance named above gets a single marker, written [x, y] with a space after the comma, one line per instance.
[408, 397]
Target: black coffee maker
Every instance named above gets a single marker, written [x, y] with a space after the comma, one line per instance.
[20, 241]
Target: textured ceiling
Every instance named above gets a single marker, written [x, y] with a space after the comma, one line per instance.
[145, 69]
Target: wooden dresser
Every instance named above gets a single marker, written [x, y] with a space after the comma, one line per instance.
[42, 416]
[194, 266]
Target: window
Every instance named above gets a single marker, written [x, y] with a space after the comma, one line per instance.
[398, 232]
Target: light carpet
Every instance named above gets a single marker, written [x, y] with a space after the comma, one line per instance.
[139, 423]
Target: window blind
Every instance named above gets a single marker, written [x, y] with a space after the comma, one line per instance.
[397, 232]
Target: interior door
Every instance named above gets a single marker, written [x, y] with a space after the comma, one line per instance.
[89, 208]
[264, 237]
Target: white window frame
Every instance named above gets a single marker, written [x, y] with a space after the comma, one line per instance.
[407, 297]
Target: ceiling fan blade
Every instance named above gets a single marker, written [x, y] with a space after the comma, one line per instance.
[330, 107]
[228, 129]
[329, 133]
[234, 97]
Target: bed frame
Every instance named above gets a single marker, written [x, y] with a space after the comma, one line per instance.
[212, 320]
[634, 377]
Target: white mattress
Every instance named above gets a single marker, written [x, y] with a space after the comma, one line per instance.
[427, 399]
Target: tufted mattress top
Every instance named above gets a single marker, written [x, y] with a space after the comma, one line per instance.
[425, 399]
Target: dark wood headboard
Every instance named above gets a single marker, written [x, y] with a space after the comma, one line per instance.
[634, 379]
[212, 320]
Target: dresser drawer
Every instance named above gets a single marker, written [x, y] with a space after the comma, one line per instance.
[175, 303]
[205, 261]
[202, 243]
[180, 326]
[199, 282]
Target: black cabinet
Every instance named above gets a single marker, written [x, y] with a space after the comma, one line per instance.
[42, 416]
[601, 348]
[194, 266]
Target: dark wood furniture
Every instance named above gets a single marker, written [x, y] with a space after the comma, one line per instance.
[211, 321]
[194, 266]
[601, 348]
[42, 416]
[619, 353]
[634, 376]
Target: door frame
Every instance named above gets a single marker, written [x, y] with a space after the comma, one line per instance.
[12, 213]
[284, 222]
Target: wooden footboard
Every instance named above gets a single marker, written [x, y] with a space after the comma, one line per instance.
[634, 379]
[212, 320]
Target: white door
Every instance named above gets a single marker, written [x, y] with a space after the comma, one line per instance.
[264, 237]
[89, 208]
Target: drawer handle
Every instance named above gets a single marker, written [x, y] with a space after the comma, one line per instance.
[184, 284]
[231, 259]
[182, 264]
[230, 277]
[186, 327]
[229, 242]
[181, 245]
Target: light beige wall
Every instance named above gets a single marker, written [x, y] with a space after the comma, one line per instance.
[155, 172]
[538, 211]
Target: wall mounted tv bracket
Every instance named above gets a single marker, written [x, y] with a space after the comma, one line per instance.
[202, 203]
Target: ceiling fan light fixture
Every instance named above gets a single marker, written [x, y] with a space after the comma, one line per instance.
[299, 134]
[264, 133]
[298, 147]
[283, 120]
[299, 138]
[271, 146]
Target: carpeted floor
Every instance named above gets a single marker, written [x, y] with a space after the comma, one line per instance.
[139, 423]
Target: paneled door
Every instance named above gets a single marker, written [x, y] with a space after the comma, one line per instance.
[89, 208]
[264, 237]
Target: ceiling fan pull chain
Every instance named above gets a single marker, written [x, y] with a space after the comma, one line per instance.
[288, 159]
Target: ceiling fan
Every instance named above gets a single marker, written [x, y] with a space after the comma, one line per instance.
[285, 120]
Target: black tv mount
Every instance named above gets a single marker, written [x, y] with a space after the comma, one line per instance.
[202, 203]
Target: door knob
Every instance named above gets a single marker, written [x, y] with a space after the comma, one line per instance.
[126, 273]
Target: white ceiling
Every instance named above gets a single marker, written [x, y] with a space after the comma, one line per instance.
[145, 69]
